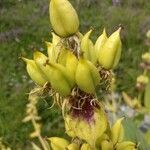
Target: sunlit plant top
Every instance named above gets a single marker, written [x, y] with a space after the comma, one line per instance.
[74, 72]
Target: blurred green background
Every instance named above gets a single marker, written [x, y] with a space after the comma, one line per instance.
[24, 26]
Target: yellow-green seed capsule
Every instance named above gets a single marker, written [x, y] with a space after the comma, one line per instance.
[100, 42]
[72, 146]
[57, 75]
[58, 143]
[71, 64]
[87, 48]
[61, 80]
[62, 56]
[41, 60]
[106, 145]
[125, 145]
[55, 39]
[117, 131]
[34, 72]
[86, 147]
[87, 76]
[53, 48]
[63, 17]
[109, 55]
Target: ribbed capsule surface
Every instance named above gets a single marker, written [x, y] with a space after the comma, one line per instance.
[34, 72]
[61, 80]
[87, 76]
[87, 48]
[126, 145]
[106, 145]
[100, 43]
[73, 146]
[40, 60]
[85, 146]
[117, 131]
[58, 143]
[109, 55]
[63, 17]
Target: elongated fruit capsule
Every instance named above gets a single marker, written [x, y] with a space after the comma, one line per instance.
[117, 131]
[55, 39]
[126, 145]
[87, 76]
[53, 48]
[85, 147]
[63, 17]
[34, 72]
[100, 42]
[87, 47]
[106, 145]
[51, 52]
[58, 143]
[73, 146]
[61, 80]
[41, 60]
[109, 55]
[57, 75]
[62, 56]
[71, 64]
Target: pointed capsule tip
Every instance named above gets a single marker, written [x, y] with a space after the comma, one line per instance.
[48, 43]
[120, 28]
[25, 59]
[53, 33]
[104, 31]
[87, 34]
[121, 119]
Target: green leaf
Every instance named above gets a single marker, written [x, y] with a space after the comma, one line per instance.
[132, 133]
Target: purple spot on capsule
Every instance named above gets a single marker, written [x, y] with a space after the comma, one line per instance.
[83, 108]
